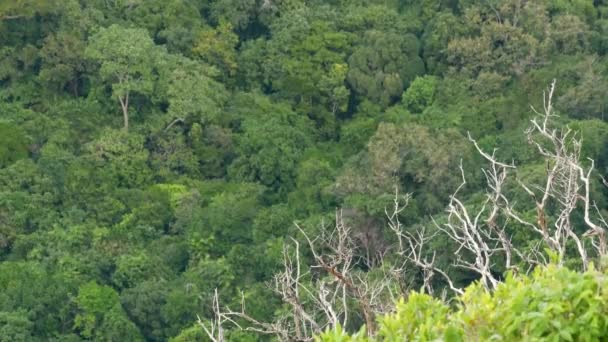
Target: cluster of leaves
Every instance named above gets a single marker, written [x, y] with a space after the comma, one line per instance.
[552, 304]
[153, 151]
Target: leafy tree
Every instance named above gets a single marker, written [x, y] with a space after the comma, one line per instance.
[33, 299]
[512, 55]
[384, 65]
[315, 176]
[361, 16]
[440, 29]
[215, 149]
[408, 156]
[15, 326]
[420, 94]
[123, 156]
[569, 34]
[191, 91]
[101, 315]
[13, 144]
[134, 269]
[25, 203]
[225, 218]
[144, 306]
[307, 65]
[193, 333]
[171, 155]
[270, 145]
[125, 56]
[173, 23]
[63, 62]
[218, 47]
[250, 17]
[584, 99]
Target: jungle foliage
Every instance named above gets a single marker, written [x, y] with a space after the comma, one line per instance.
[153, 151]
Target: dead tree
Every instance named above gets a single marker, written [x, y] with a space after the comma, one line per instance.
[567, 185]
[224, 315]
[480, 235]
[336, 254]
[337, 293]
[411, 247]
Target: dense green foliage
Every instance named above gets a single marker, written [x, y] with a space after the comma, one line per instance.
[553, 304]
[152, 151]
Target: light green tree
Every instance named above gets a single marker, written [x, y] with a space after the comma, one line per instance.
[101, 316]
[191, 91]
[126, 59]
[420, 94]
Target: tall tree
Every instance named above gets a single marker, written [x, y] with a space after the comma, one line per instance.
[126, 57]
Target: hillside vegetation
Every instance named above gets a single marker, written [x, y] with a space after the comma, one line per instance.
[260, 170]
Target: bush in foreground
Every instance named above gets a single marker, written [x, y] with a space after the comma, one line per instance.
[551, 304]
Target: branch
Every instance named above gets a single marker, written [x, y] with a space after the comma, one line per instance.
[181, 120]
[11, 17]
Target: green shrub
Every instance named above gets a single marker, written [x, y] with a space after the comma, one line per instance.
[552, 304]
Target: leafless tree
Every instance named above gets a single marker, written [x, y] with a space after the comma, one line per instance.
[323, 295]
[412, 246]
[480, 235]
[567, 185]
[336, 255]
[224, 315]
[216, 330]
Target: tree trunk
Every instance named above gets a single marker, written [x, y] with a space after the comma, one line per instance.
[370, 318]
[124, 105]
[74, 84]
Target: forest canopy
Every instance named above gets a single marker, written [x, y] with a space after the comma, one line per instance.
[167, 166]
